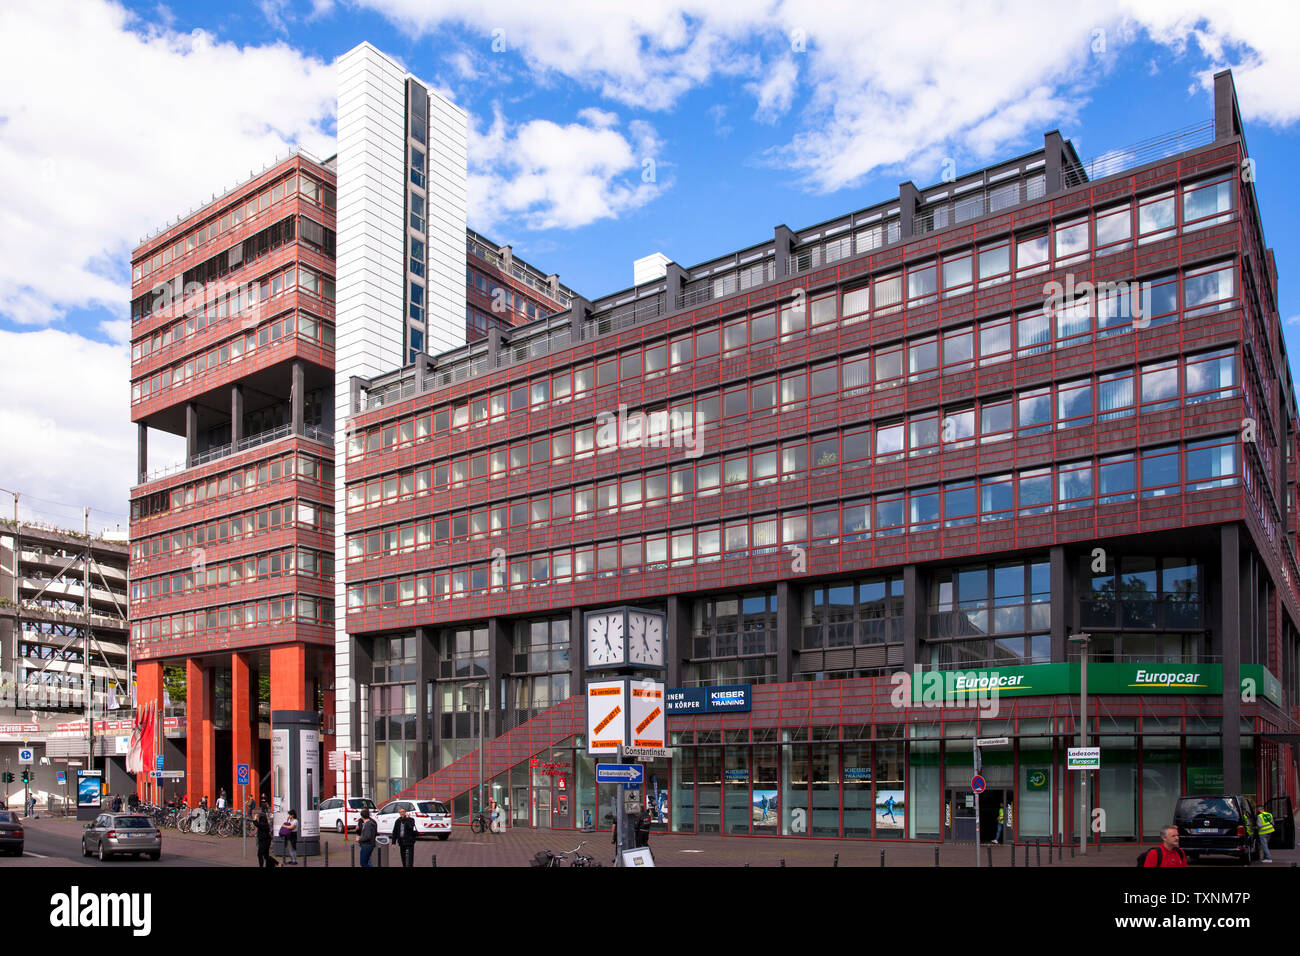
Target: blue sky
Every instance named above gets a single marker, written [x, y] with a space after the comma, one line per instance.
[114, 117]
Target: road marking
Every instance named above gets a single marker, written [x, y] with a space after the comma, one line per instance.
[39, 856]
[690, 851]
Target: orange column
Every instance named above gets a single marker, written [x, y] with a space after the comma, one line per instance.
[200, 734]
[289, 678]
[243, 721]
[149, 688]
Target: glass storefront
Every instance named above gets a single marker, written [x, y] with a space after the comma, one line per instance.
[832, 782]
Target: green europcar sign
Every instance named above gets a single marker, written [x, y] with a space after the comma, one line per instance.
[1040, 680]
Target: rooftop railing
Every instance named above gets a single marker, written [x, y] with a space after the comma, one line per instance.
[313, 432]
[1140, 153]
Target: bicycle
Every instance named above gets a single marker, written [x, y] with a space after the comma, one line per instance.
[480, 823]
[546, 859]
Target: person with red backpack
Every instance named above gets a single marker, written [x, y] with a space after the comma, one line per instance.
[1168, 853]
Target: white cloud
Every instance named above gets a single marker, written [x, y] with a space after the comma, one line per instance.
[112, 125]
[882, 92]
[544, 175]
[775, 92]
[65, 426]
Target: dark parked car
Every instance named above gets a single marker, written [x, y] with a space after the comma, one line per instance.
[11, 833]
[1221, 823]
[112, 834]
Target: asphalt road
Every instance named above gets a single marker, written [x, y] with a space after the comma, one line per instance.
[61, 846]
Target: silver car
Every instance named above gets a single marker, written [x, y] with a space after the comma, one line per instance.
[113, 834]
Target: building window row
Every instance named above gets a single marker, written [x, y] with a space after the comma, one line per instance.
[304, 515]
[240, 480]
[304, 327]
[1151, 473]
[1168, 383]
[305, 610]
[502, 297]
[247, 209]
[954, 350]
[1210, 463]
[303, 562]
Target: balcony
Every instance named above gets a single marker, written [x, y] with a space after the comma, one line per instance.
[312, 432]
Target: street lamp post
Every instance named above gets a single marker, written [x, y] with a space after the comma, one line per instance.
[1083, 641]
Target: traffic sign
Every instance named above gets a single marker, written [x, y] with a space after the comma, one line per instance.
[25, 756]
[73, 763]
[61, 776]
[157, 774]
[172, 774]
[992, 741]
[977, 783]
[646, 753]
[241, 774]
[159, 762]
[629, 774]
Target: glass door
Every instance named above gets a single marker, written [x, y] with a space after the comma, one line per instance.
[542, 807]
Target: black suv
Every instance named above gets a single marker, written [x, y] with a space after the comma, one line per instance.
[1222, 823]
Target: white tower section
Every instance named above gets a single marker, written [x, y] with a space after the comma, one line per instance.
[374, 274]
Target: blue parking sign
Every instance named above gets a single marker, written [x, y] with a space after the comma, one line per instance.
[241, 775]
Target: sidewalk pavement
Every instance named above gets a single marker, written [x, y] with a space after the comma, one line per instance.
[516, 847]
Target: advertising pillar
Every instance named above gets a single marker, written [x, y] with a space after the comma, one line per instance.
[296, 776]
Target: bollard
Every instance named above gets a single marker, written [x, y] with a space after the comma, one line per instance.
[882, 858]
[936, 854]
[783, 861]
[1038, 854]
[435, 860]
[305, 859]
[990, 857]
[747, 866]
[1026, 854]
[352, 851]
[383, 857]
[1049, 854]
[837, 860]
[1071, 851]
[327, 854]
[1013, 855]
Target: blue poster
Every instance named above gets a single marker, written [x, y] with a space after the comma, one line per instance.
[88, 788]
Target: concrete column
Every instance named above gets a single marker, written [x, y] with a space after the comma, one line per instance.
[361, 654]
[191, 432]
[913, 617]
[1227, 122]
[787, 630]
[200, 733]
[149, 689]
[236, 416]
[1053, 149]
[678, 638]
[1063, 605]
[141, 452]
[579, 309]
[784, 242]
[1230, 603]
[500, 663]
[909, 200]
[578, 652]
[674, 283]
[243, 723]
[426, 670]
[289, 678]
[297, 395]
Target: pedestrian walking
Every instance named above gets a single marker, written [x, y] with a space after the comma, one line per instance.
[263, 841]
[117, 803]
[1168, 853]
[405, 835]
[31, 806]
[366, 834]
[1264, 824]
[289, 830]
[221, 799]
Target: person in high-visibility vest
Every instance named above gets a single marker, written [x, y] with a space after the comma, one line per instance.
[1265, 827]
[1004, 822]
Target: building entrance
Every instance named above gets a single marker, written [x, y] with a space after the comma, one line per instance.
[990, 802]
[959, 816]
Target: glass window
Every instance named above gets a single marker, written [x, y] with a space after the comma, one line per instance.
[1155, 218]
[889, 440]
[923, 433]
[1159, 471]
[1160, 385]
[889, 366]
[995, 264]
[996, 420]
[1211, 463]
[1115, 228]
[1035, 491]
[1208, 290]
[995, 341]
[1114, 395]
[996, 497]
[1204, 203]
[1074, 484]
[957, 274]
[1031, 255]
[1074, 403]
[1033, 333]
[922, 283]
[887, 294]
[924, 508]
[1035, 410]
[959, 503]
[1211, 375]
[958, 349]
[1071, 241]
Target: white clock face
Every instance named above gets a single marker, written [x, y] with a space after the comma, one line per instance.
[645, 639]
[604, 639]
